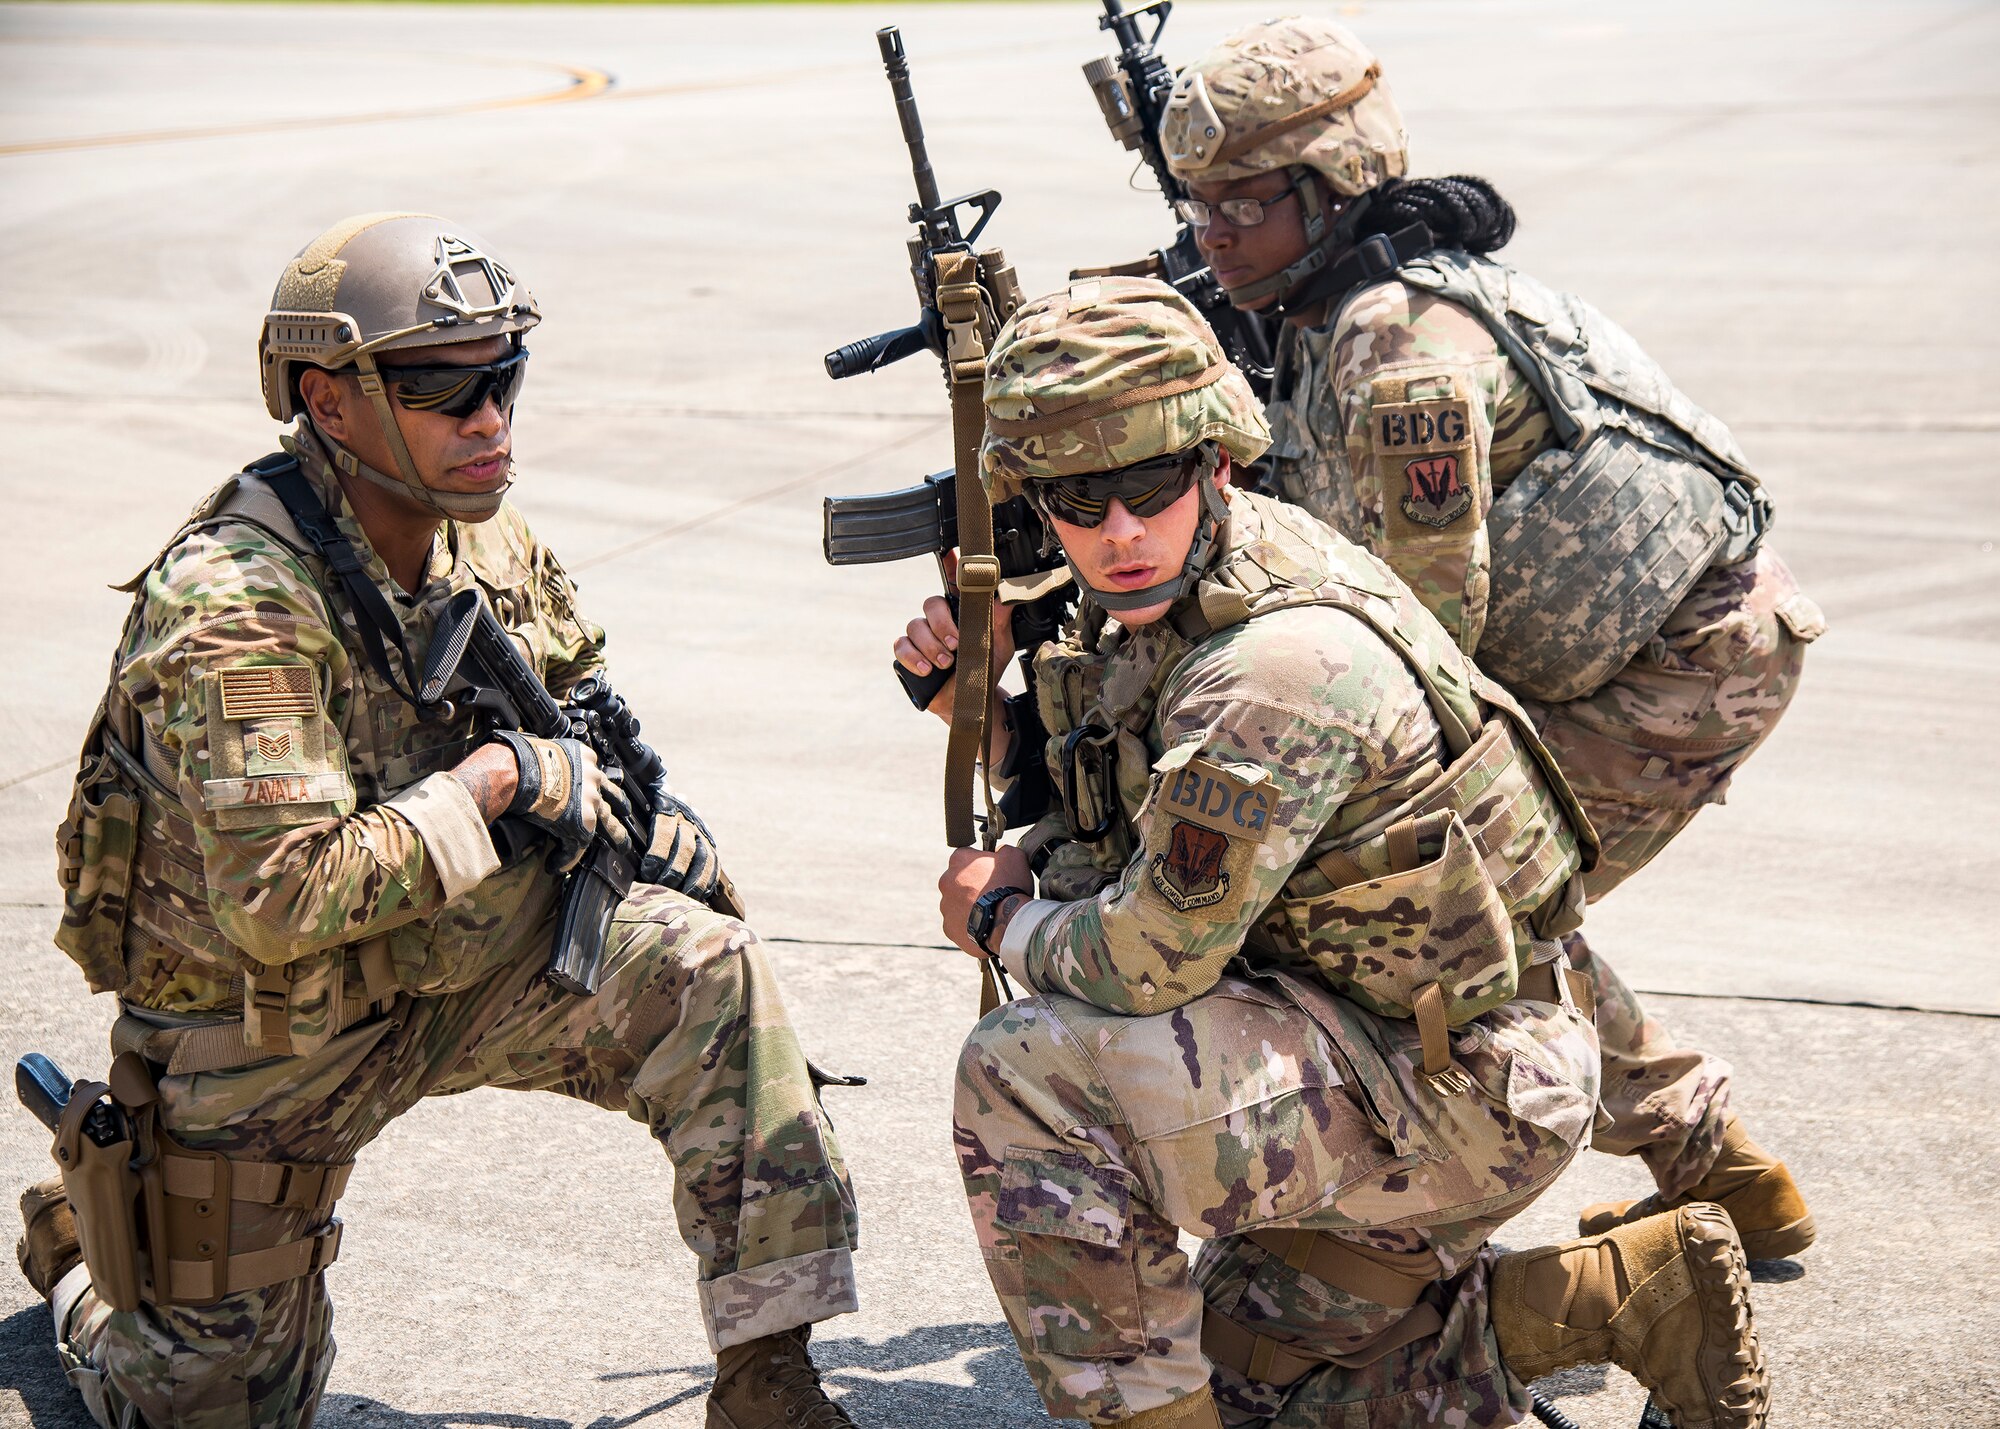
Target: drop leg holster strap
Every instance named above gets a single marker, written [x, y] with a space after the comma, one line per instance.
[192, 1199]
[179, 1204]
[1396, 1281]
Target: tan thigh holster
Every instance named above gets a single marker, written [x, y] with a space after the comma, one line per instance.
[158, 1220]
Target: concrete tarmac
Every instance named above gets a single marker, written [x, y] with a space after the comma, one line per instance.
[1793, 206]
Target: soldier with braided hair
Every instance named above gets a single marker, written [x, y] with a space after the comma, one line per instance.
[1578, 525]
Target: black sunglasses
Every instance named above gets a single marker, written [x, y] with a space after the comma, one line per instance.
[1147, 488]
[458, 391]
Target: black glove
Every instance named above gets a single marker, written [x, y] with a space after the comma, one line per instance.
[554, 791]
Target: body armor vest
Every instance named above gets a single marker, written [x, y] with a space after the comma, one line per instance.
[1595, 542]
[131, 865]
[1446, 885]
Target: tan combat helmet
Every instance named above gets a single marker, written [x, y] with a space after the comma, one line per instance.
[1106, 373]
[1301, 94]
[373, 284]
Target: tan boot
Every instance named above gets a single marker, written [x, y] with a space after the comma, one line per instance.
[1748, 1182]
[771, 1384]
[48, 1249]
[1197, 1411]
[1666, 1299]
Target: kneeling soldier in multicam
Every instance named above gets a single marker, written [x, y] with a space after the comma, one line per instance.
[1298, 984]
[283, 861]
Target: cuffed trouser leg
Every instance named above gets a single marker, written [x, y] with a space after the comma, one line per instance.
[687, 1033]
[1667, 1102]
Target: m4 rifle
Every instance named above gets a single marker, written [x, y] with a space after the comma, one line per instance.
[1132, 88]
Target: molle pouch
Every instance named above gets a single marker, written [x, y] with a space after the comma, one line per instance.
[1516, 819]
[1410, 908]
[1591, 550]
[295, 1009]
[94, 852]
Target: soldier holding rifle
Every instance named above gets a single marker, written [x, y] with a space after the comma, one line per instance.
[1584, 530]
[324, 869]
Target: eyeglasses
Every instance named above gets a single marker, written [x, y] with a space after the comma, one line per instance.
[1241, 212]
[1147, 488]
[458, 391]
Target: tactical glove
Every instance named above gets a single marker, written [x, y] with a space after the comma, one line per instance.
[555, 791]
[683, 855]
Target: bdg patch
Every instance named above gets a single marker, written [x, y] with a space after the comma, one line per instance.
[1437, 494]
[1403, 429]
[1234, 802]
[1189, 873]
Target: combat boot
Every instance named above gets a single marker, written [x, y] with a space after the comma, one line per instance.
[48, 1249]
[771, 1384]
[1748, 1182]
[1666, 1299]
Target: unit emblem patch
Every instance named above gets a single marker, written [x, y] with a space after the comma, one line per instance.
[1189, 872]
[1436, 496]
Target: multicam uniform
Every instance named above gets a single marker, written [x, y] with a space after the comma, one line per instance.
[309, 928]
[1399, 422]
[1221, 1039]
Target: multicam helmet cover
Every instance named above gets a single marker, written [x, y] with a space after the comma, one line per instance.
[1105, 373]
[1293, 92]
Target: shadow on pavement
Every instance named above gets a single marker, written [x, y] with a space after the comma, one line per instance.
[1776, 1272]
[884, 1383]
[29, 1368]
[1586, 1379]
[876, 1383]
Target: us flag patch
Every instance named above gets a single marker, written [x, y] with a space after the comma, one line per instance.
[268, 692]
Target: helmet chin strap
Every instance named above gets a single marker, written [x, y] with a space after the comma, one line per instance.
[1214, 516]
[452, 505]
[1327, 237]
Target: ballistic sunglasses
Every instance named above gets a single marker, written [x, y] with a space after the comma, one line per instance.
[1147, 488]
[458, 391]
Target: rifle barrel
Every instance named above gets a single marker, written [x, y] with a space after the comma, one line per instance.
[890, 40]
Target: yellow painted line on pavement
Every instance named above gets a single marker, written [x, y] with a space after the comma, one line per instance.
[584, 83]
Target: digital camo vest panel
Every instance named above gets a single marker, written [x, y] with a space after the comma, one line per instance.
[1595, 543]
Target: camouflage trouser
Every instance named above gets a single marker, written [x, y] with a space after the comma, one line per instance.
[686, 1034]
[1644, 754]
[1088, 1140]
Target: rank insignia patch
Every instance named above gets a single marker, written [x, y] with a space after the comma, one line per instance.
[274, 747]
[1189, 873]
[268, 691]
[1436, 496]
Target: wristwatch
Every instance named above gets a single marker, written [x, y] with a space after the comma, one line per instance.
[986, 912]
